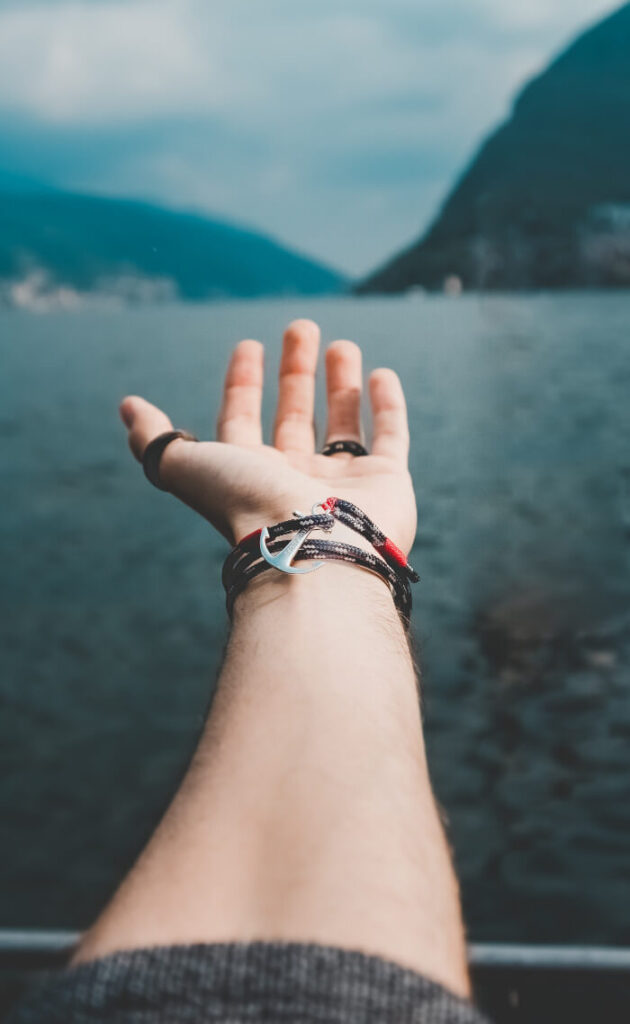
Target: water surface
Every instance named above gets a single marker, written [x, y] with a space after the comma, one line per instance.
[113, 622]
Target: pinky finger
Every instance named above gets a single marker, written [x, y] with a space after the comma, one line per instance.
[389, 413]
[143, 422]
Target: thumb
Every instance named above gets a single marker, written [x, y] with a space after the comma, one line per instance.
[143, 422]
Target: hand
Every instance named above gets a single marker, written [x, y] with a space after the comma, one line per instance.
[240, 484]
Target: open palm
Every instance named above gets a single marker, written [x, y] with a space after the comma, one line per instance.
[239, 484]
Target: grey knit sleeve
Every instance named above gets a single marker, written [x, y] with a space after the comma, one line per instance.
[241, 983]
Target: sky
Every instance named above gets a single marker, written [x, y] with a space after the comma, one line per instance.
[337, 127]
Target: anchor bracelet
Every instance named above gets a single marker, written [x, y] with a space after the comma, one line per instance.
[266, 548]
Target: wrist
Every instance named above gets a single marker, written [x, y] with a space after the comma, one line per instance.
[336, 593]
[351, 538]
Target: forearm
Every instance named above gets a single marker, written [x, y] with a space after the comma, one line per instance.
[319, 700]
[307, 810]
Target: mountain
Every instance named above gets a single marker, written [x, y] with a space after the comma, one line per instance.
[61, 243]
[546, 201]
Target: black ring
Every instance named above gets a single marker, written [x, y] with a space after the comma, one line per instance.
[351, 447]
[154, 451]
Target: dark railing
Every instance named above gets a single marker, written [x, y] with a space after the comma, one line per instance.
[53, 947]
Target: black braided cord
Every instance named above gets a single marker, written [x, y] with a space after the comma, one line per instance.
[327, 550]
[245, 562]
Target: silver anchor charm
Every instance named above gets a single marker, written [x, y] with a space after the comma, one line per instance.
[283, 560]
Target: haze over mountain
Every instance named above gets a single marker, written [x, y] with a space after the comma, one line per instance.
[546, 201]
[59, 246]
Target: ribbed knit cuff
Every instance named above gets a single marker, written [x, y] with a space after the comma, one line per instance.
[242, 982]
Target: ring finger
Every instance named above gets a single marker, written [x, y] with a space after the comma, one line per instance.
[343, 387]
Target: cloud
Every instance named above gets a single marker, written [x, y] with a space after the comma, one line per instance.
[112, 60]
[336, 126]
[73, 63]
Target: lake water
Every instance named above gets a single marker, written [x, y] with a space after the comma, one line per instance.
[112, 612]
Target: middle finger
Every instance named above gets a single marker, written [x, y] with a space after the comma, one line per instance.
[294, 427]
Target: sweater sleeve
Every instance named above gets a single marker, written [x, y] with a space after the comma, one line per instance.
[293, 983]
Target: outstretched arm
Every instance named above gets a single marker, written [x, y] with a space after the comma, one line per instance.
[307, 812]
